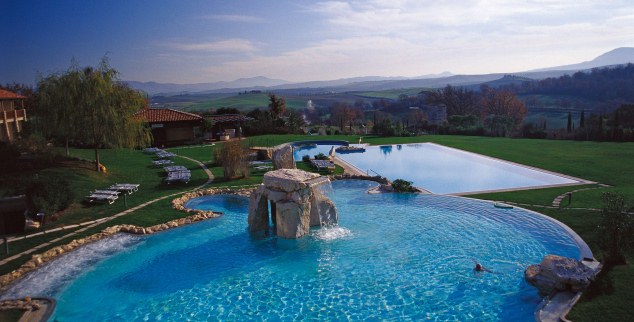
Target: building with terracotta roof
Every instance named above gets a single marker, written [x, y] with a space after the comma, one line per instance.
[227, 126]
[171, 127]
[12, 115]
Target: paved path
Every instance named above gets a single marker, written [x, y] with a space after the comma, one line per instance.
[90, 224]
[557, 201]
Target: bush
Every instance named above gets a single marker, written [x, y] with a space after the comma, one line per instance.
[615, 229]
[321, 156]
[50, 195]
[306, 158]
[234, 159]
[400, 185]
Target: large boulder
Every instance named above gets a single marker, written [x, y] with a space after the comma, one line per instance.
[323, 212]
[296, 203]
[292, 219]
[288, 180]
[258, 210]
[557, 273]
[283, 157]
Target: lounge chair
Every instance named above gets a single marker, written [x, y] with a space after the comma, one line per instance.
[165, 155]
[151, 150]
[178, 176]
[174, 168]
[162, 162]
[106, 192]
[97, 197]
[129, 188]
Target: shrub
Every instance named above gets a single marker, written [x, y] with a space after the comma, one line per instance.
[615, 229]
[400, 185]
[234, 159]
[321, 156]
[306, 158]
[49, 195]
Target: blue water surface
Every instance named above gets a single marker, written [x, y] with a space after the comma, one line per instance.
[442, 170]
[392, 257]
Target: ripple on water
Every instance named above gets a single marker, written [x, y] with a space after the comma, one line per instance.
[393, 257]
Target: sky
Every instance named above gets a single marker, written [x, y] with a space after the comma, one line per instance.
[192, 41]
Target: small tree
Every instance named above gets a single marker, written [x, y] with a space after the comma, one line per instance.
[233, 158]
[615, 229]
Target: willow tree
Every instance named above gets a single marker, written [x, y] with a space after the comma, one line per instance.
[98, 110]
[58, 96]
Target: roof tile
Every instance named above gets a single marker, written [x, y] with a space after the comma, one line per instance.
[4, 94]
[153, 115]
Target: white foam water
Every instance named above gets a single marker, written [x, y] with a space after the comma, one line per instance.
[328, 233]
[49, 279]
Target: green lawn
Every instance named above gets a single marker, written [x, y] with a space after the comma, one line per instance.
[608, 163]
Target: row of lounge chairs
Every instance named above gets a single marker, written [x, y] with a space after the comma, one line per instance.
[111, 194]
[323, 165]
[174, 173]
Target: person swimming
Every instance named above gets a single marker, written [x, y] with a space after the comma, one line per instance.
[479, 268]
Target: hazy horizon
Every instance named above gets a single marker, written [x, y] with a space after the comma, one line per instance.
[297, 41]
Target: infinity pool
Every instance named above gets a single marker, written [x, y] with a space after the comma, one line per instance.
[392, 257]
[444, 170]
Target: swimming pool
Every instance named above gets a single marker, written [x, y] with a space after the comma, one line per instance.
[409, 258]
[445, 170]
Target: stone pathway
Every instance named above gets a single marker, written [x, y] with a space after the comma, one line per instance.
[93, 223]
[557, 201]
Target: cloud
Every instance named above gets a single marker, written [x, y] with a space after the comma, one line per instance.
[235, 18]
[228, 45]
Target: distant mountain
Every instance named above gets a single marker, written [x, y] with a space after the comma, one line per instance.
[154, 88]
[616, 56]
[378, 83]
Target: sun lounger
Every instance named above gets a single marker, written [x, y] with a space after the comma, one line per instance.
[151, 150]
[129, 188]
[162, 162]
[174, 168]
[97, 197]
[323, 165]
[178, 176]
[106, 192]
[165, 155]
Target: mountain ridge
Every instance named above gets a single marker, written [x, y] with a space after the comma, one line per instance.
[617, 56]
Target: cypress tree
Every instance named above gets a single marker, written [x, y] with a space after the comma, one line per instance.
[582, 120]
[569, 128]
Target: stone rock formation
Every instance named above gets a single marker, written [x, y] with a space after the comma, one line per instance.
[296, 203]
[559, 273]
[283, 157]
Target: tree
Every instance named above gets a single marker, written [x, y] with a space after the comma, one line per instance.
[582, 120]
[501, 110]
[615, 229]
[569, 126]
[227, 110]
[59, 99]
[295, 121]
[277, 105]
[94, 108]
[342, 113]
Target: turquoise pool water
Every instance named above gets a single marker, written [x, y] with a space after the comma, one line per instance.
[444, 170]
[393, 257]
